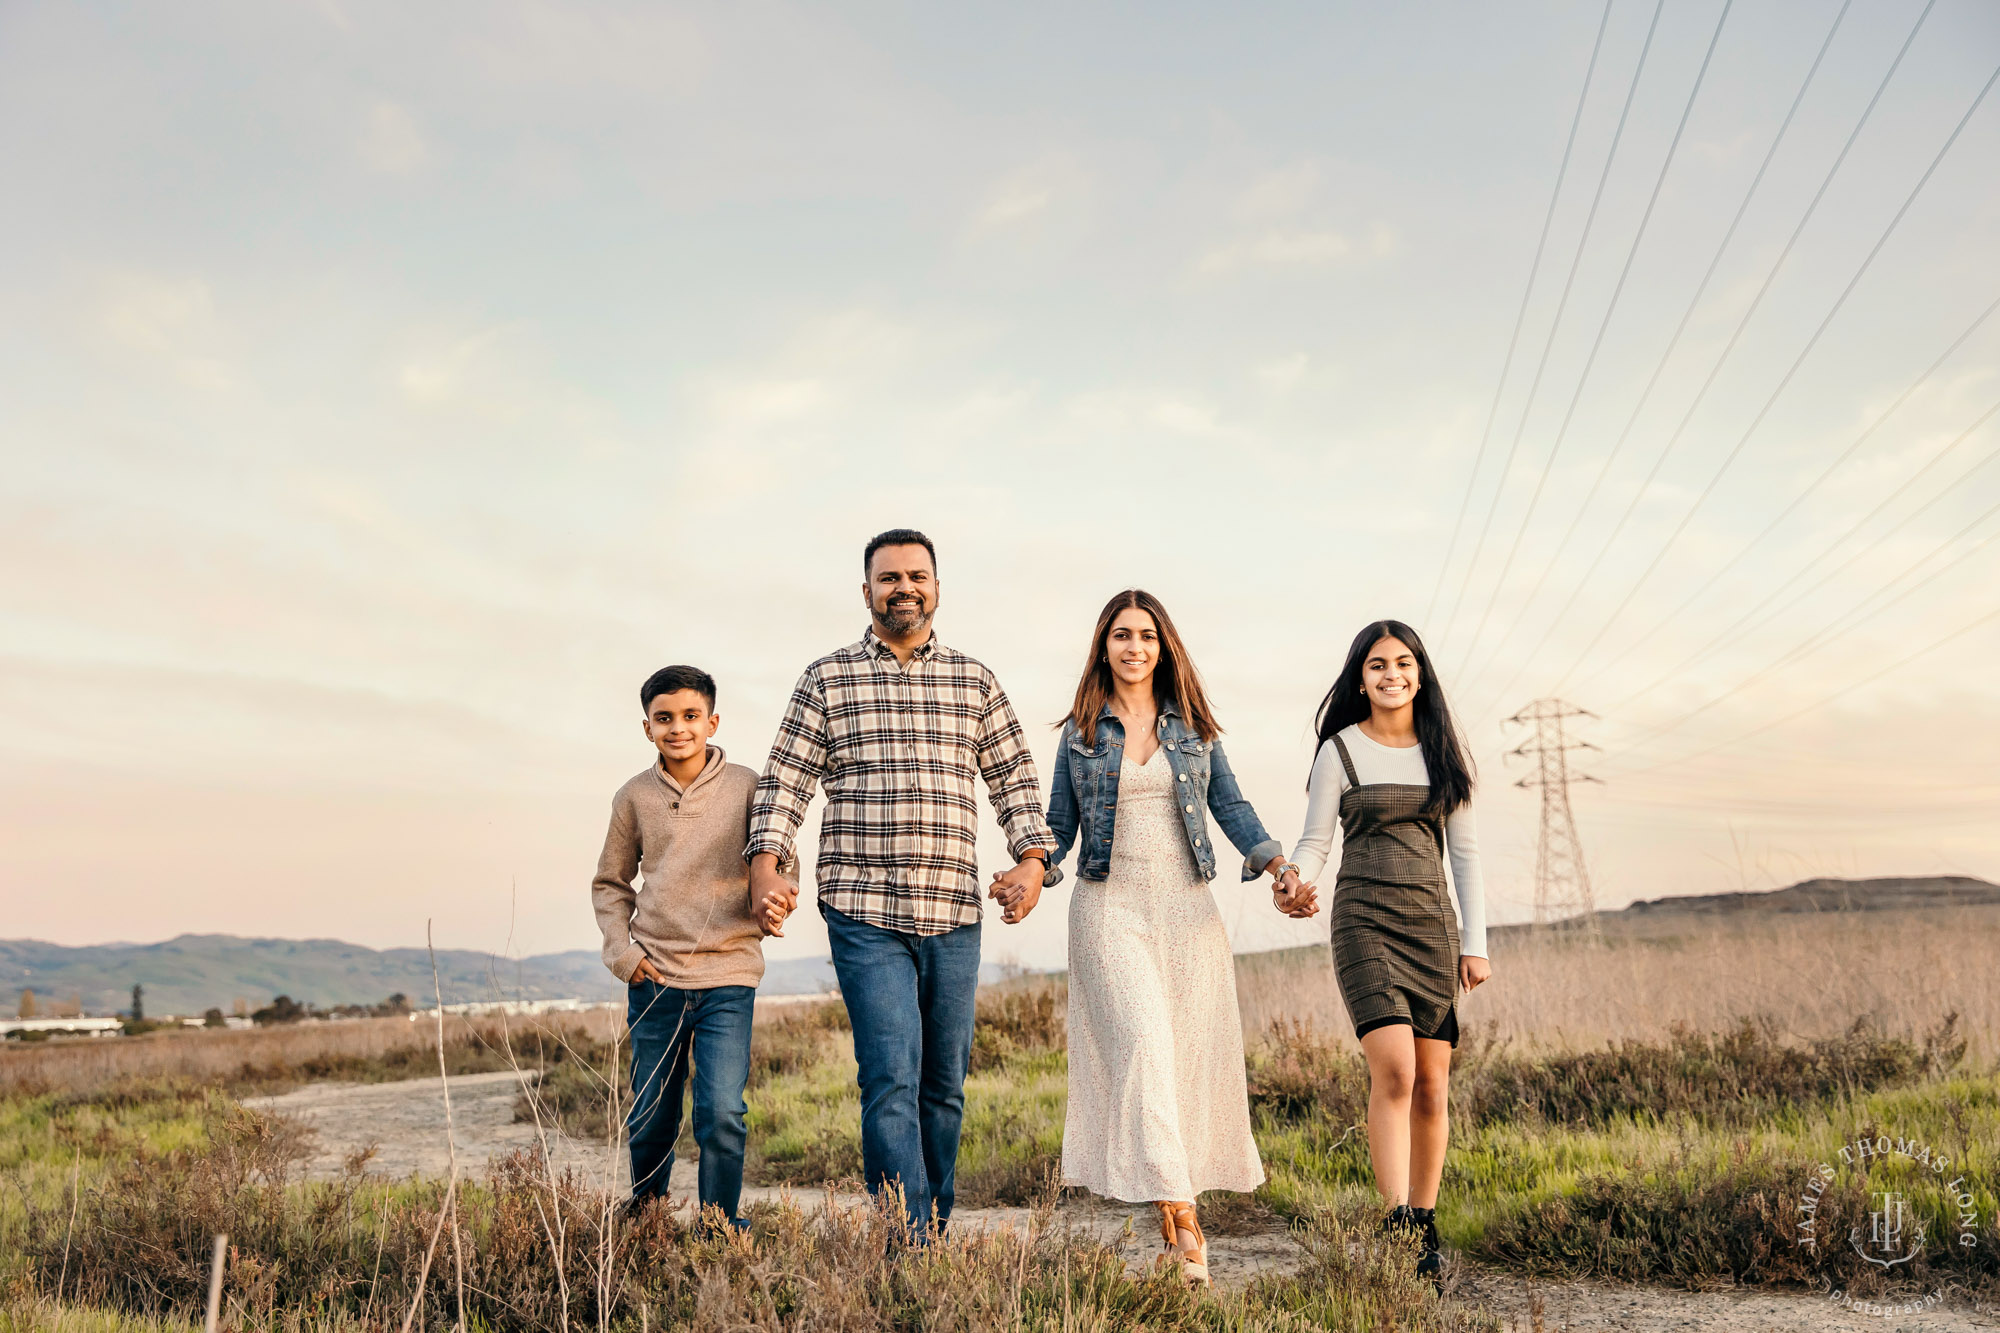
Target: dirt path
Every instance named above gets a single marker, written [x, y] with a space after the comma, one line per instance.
[1598, 1305]
[404, 1123]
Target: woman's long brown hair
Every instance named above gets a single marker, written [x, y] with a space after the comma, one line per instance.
[1174, 678]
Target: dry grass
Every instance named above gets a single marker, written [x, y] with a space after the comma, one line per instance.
[1807, 977]
[545, 1251]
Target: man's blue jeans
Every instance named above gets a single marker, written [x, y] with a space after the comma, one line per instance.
[671, 1030]
[910, 1001]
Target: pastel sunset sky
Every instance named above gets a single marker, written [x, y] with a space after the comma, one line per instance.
[388, 389]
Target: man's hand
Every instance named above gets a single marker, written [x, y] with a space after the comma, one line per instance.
[1472, 970]
[647, 972]
[772, 896]
[1017, 890]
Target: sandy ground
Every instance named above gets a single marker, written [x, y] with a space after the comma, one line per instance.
[1594, 1305]
[404, 1125]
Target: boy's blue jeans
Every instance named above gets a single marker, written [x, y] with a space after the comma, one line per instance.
[671, 1030]
[910, 1001]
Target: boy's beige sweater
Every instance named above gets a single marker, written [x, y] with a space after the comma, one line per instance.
[690, 913]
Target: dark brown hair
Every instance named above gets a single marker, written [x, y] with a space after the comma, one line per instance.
[668, 679]
[1174, 678]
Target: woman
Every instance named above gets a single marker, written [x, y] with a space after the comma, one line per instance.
[1157, 1107]
[1392, 769]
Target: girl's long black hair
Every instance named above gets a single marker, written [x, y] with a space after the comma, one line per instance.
[1449, 766]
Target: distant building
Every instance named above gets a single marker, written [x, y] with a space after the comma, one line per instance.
[62, 1027]
[482, 1008]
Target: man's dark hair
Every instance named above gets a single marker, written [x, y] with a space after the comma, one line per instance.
[896, 537]
[668, 679]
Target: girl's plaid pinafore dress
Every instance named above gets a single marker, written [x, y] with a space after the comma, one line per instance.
[1395, 936]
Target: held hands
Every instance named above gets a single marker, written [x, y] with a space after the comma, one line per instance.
[1017, 890]
[1294, 897]
[1473, 970]
[772, 896]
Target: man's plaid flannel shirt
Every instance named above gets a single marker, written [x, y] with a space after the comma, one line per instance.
[898, 748]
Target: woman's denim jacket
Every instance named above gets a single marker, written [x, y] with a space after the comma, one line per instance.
[1083, 797]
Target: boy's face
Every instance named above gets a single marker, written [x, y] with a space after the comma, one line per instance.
[679, 724]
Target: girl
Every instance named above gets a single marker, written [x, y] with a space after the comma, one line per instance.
[1157, 1106]
[1393, 770]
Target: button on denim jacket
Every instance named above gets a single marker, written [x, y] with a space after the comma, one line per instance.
[1083, 797]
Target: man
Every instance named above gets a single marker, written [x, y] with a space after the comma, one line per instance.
[897, 727]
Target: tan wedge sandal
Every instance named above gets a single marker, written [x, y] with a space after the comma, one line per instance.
[1186, 1246]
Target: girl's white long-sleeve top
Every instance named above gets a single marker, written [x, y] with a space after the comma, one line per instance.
[1375, 762]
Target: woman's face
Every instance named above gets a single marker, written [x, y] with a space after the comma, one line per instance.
[1389, 676]
[1133, 646]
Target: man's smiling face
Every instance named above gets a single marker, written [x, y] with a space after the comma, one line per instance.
[902, 590]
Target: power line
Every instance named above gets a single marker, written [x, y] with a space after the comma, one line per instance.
[1893, 667]
[1597, 343]
[1645, 395]
[1521, 315]
[1562, 303]
[1831, 547]
[1850, 619]
[1816, 483]
[1783, 383]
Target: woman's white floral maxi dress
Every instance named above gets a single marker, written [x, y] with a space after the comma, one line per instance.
[1157, 1103]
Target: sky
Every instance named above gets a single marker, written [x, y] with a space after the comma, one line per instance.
[387, 390]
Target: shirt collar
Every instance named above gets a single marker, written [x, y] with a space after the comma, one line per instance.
[709, 769]
[872, 645]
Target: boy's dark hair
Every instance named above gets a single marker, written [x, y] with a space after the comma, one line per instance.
[896, 537]
[668, 679]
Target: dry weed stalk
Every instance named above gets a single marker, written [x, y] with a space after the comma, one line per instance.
[215, 1264]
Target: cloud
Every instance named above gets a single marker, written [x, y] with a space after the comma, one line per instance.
[1284, 372]
[391, 142]
[1013, 201]
[1032, 197]
[168, 320]
[751, 404]
[1277, 249]
[494, 374]
[1281, 194]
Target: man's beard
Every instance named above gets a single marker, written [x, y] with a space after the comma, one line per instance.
[904, 618]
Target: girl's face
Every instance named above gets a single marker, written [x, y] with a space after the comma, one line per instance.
[1389, 676]
[1133, 646]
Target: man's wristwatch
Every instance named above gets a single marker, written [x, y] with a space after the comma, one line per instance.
[1278, 875]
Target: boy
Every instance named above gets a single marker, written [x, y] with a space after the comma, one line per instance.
[685, 942]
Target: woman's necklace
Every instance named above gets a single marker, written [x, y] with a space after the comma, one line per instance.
[1140, 741]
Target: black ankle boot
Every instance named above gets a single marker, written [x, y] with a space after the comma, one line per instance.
[1432, 1260]
[1402, 1221]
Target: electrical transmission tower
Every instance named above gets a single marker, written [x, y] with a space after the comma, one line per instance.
[1562, 882]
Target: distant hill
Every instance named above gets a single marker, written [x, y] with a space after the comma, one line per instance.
[1830, 895]
[1693, 910]
[190, 973]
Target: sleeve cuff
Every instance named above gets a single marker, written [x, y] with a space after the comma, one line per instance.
[627, 963]
[1043, 842]
[1259, 857]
